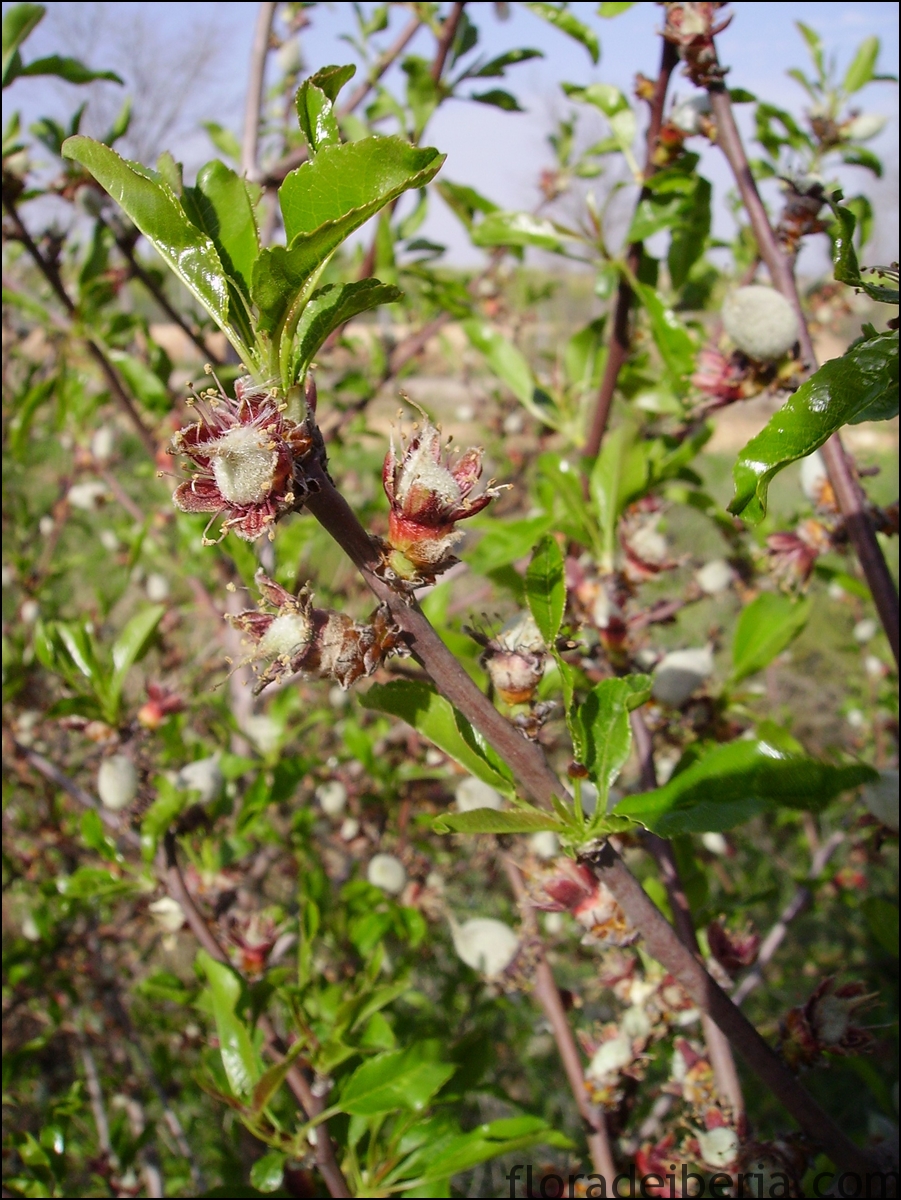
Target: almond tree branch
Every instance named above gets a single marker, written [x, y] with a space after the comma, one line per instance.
[724, 1071]
[448, 33]
[255, 83]
[848, 492]
[548, 996]
[277, 172]
[620, 339]
[51, 274]
[528, 763]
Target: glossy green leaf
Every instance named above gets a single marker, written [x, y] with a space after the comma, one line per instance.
[134, 639]
[273, 1078]
[734, 782]
[619, 475]
[855, 387]
[765, 627]
[612, 8]
[93, 834]
[316, 116]
[487, 1141]
[330, 308]
[690, 235]
[436, 718]
[491, 820]
[397, 1079]
[239, 1058]
[159, 216]
[170, 803]
[80, 648]
[89, 883]
[69, 69]
[606, 733]
[332, 79]
[345, 185]
[224, 140]
[546, 588]
[497, 66]
[518, 229]
[505, 542]
[862, 66]
[497, 98]
[219, 204]
[267, 1172]
[19, 22]
[844, 256]
[670, 335]
[562, 18]
[463, 201]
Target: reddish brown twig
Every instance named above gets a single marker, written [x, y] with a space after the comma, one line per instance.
[448, 33]
[527, 761]
[620, 338]
[850, 496]
[255, 82]
[548, 996]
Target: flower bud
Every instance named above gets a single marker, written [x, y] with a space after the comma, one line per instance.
[247, 456]
[732, 950]
[428, 494]
[472, 793]
[332, 797]
[515, 660]
[388, 873]
[204, 775]
[486, 945]
[168, 914]
[824, 1023]
[761, 322]
[117, 782]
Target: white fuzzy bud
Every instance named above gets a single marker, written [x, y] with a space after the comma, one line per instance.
[109, 541]
[715, 843]
[681, 673]
[332, 797]
[484, 944]
[387, 872]
[864, 127]
[103, 443]
[761, 322]
[545, 844]
[168, 914]
[350, 827]
[865, 630]
[117, 782]
[719, 1147]
[203, 776]
[472, 793]
[715, 577]
[46, 525]
[156, 587]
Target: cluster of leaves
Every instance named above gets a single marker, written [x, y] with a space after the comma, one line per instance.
[425, 1073]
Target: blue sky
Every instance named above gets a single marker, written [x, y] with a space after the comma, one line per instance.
[499, 153]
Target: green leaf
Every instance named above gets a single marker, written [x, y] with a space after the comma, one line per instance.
[239, 1058]
[395, 1080]
[69, 69]
[734, 782]
[860, 71]
[487, 1141]
[765, 627]
[619, 475]
[490, 820]
[219, 204]
[88, 883]
[546, 588]
[157, 213]
[690, 235]
[670, 335]
[464, 202]
[330, 308]
[561, 18]
[132, 642]
[505, 542]
[606, 733]
[859, 156]
[855, 387]
[612, 8]
[844, 256]
[142, 382]
[316, 115]
[436, 718]
[272, 1079]
[344, 185]
[19, 22]
[882, 921]
[93, 834]
[332, 79]
[814, 44]
[517, 229]
[224, 140]
[497, 66]
[510, 366]
[267, 1172]
[497, 98]
[170, 802]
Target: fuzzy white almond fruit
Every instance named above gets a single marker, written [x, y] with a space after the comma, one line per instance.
[203, 776]
[715, 577]
[103, 443]
[545, 844]
[719, 1147]
[473, 793]
[681, 673]
[86, 496]
[486, 945]
[715, 843]
[814, 476]
[117, 782]
[332, 797]
[761, 322]
[350, 827]
[687, 114]
[156, 587]
[168, 914]
[865, 630]
[387, 872]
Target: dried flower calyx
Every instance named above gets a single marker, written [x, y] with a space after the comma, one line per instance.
[428, 494]
[248, 458]
[566, 886]
[318, 642]
[824, 1024]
